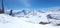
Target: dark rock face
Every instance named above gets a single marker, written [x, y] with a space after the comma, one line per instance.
[44, 23]
[24, 12]
[49, 16]
[58, 24]
[52, 16]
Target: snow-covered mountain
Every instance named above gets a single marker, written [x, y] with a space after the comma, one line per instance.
[35, 16]
[30, 19]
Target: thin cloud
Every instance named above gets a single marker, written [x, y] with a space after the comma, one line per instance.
[25, 2]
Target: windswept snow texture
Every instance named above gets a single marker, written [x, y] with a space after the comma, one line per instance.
[7, 21]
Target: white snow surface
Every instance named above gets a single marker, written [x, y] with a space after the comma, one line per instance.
[7, 21]
[29, 19]
[36, 16]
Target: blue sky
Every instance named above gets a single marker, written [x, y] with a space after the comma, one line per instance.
[19, 4]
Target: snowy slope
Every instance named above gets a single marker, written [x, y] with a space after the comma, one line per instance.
[4, 18]
[17, 23]
[34, 16]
